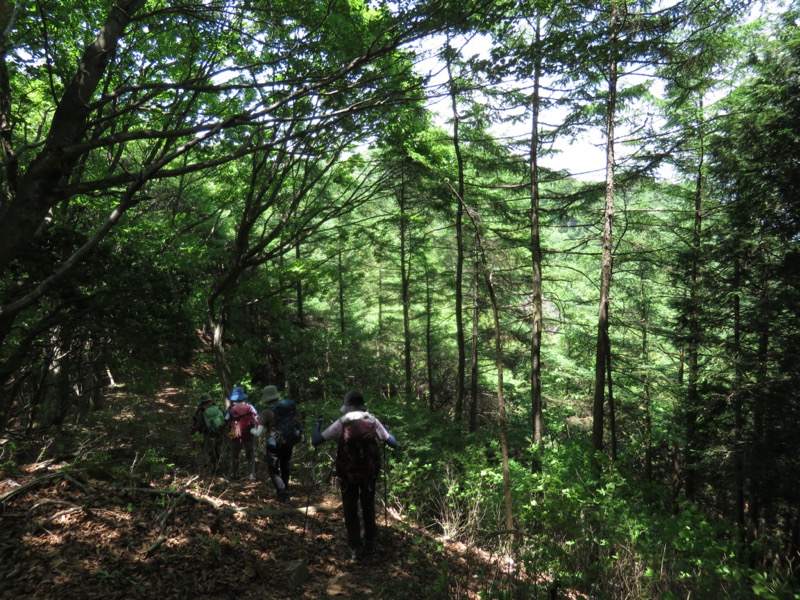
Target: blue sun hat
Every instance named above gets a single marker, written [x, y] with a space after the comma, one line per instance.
[237, 395]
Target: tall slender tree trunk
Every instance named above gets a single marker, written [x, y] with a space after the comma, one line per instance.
[340, 281]
[218, 323]
[645, 359]
[756, 472]
[603, 343]
[612, 409]
[693, 348]
[301, 317]
[738, 412]
[459, 300]
[57, 396]
[429, 335]
[474, 374]
[537, 317]
[501, 404]
[405, 287]
[379, 337]
[101, 376]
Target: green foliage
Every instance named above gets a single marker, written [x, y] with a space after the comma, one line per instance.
[612, 537]
[9, 452]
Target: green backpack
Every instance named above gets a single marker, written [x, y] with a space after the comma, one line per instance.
[214, 419]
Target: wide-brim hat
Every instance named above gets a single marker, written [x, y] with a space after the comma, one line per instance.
[237, 395]
[352, 401]
[204, 399]
[269, 394]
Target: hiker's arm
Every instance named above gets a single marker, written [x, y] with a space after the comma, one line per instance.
[331, 433]
[384, 435]
[316, 436]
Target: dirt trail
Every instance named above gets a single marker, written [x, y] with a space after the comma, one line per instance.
[117, 512]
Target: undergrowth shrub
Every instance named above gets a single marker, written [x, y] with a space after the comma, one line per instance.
[9, 450]
[610, 537]
[442, 478]
[614, 538]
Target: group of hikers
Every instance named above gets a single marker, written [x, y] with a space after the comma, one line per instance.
[358, 459]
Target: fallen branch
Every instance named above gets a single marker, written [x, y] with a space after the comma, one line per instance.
[162, 534]
[173, 493]
[34, 483]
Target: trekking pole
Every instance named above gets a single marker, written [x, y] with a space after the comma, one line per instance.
[310, 489]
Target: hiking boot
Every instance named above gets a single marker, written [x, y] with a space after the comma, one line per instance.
[283, 495]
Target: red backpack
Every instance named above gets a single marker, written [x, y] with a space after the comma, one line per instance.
[242, 420]
[358, 458]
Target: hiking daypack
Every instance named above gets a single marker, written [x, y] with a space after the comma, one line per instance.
[242, 420]
[358, 458]
[214, 419]
[286, 429]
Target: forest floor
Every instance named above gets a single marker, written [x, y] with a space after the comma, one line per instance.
[118, 511]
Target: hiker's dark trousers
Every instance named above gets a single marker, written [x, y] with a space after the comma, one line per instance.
[352, 495]
[279, 462]
[236, 447]
[211, 454]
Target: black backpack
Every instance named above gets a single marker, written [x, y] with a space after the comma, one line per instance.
[287, 429]
[358, 457]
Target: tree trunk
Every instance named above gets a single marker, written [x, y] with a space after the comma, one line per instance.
[693, 350]
[738, 412]
[218, 322]
[474, 374]
[379, 337]
[612, 409]
[405, 290]
[459, 301]
[100, 374]
[301, 317]
[340, 294]
[645, 358]
[603, 342]
[501, 404]
[759, 465]
[537, 317]
[429, 336]
[57, 393]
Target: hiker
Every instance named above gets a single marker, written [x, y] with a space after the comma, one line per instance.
[242, 420]
[282, 421]
[358, 464]
[210, 421]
